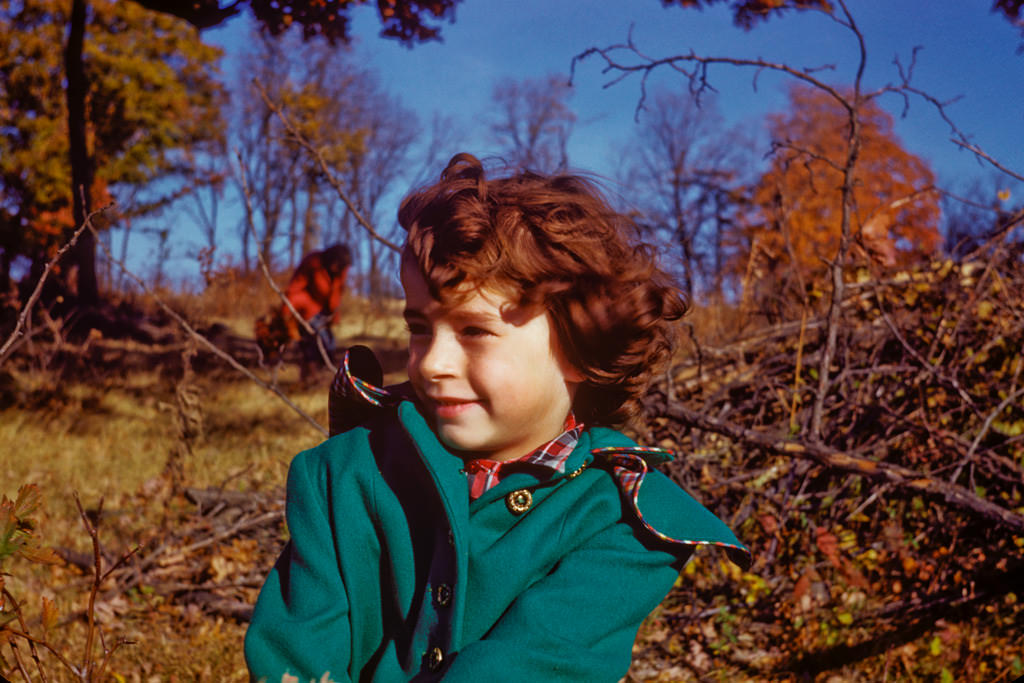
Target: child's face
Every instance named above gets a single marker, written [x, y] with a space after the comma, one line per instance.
[489, 375]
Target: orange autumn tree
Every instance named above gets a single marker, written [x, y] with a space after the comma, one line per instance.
[795, 230]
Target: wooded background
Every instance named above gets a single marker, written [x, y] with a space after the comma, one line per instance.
[848, 393]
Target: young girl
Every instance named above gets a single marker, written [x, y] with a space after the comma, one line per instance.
[484, 521]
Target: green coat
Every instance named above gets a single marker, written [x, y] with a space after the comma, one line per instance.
[393, 574]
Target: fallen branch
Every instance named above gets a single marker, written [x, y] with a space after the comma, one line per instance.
[208, 499]
[264, 519]
[899, 477]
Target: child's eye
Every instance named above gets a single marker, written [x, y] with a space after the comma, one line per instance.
[473, 331]
[417, 329]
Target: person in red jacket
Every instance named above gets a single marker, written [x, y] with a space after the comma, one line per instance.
[314, 291]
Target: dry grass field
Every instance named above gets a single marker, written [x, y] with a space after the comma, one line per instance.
[100, 420]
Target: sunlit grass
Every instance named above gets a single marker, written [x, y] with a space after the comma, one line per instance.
[248, 429]
[106, 434]
[96, 442]
[103, 441]
[113, 441]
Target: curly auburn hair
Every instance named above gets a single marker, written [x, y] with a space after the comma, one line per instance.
[552, 242]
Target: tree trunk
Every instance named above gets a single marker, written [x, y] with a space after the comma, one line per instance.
[293, 230]
[83, 257]
[310, 224]
[126, 232]
[248, 232]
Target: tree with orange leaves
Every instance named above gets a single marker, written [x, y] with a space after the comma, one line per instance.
[798, 202]
[153, 105]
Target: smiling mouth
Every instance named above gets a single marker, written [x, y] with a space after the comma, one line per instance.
[451, 407]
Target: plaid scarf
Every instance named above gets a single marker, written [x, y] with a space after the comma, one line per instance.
[485, 474]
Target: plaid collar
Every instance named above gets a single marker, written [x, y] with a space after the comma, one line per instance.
[484, 474]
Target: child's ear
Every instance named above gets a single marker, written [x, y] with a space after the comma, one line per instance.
[571, 373]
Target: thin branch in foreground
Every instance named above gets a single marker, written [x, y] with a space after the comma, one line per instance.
[250, 225]
[26, 311]
[998, 234]
[981, 154]
[32, 641]
[94, 589]
[89, 670]
[216, 350]
[692, 66]
[7, 597]
[299, 138]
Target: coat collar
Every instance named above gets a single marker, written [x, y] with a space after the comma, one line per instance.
[684, 523]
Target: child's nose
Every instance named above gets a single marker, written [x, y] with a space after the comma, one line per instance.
[441, 358]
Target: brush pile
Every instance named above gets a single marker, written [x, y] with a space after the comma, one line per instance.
[893, 539]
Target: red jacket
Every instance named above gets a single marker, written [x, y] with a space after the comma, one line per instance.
[312, 290]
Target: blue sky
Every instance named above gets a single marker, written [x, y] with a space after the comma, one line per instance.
[967, 53]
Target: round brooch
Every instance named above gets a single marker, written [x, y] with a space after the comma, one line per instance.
[519, 501]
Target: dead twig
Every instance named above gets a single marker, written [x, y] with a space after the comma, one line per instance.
[26, 311]
[270, 278]
[325, 168]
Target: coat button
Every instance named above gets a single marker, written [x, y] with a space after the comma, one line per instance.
[435, 658]
[443, 595]
[519, 501]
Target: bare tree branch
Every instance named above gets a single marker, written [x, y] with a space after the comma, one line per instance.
[693, 66]
[26, 311]
[270, 278]
[979, 152]
[296, 135]
[838, 282]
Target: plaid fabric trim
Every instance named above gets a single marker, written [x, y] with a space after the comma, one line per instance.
[630, 467]
[484, 474]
